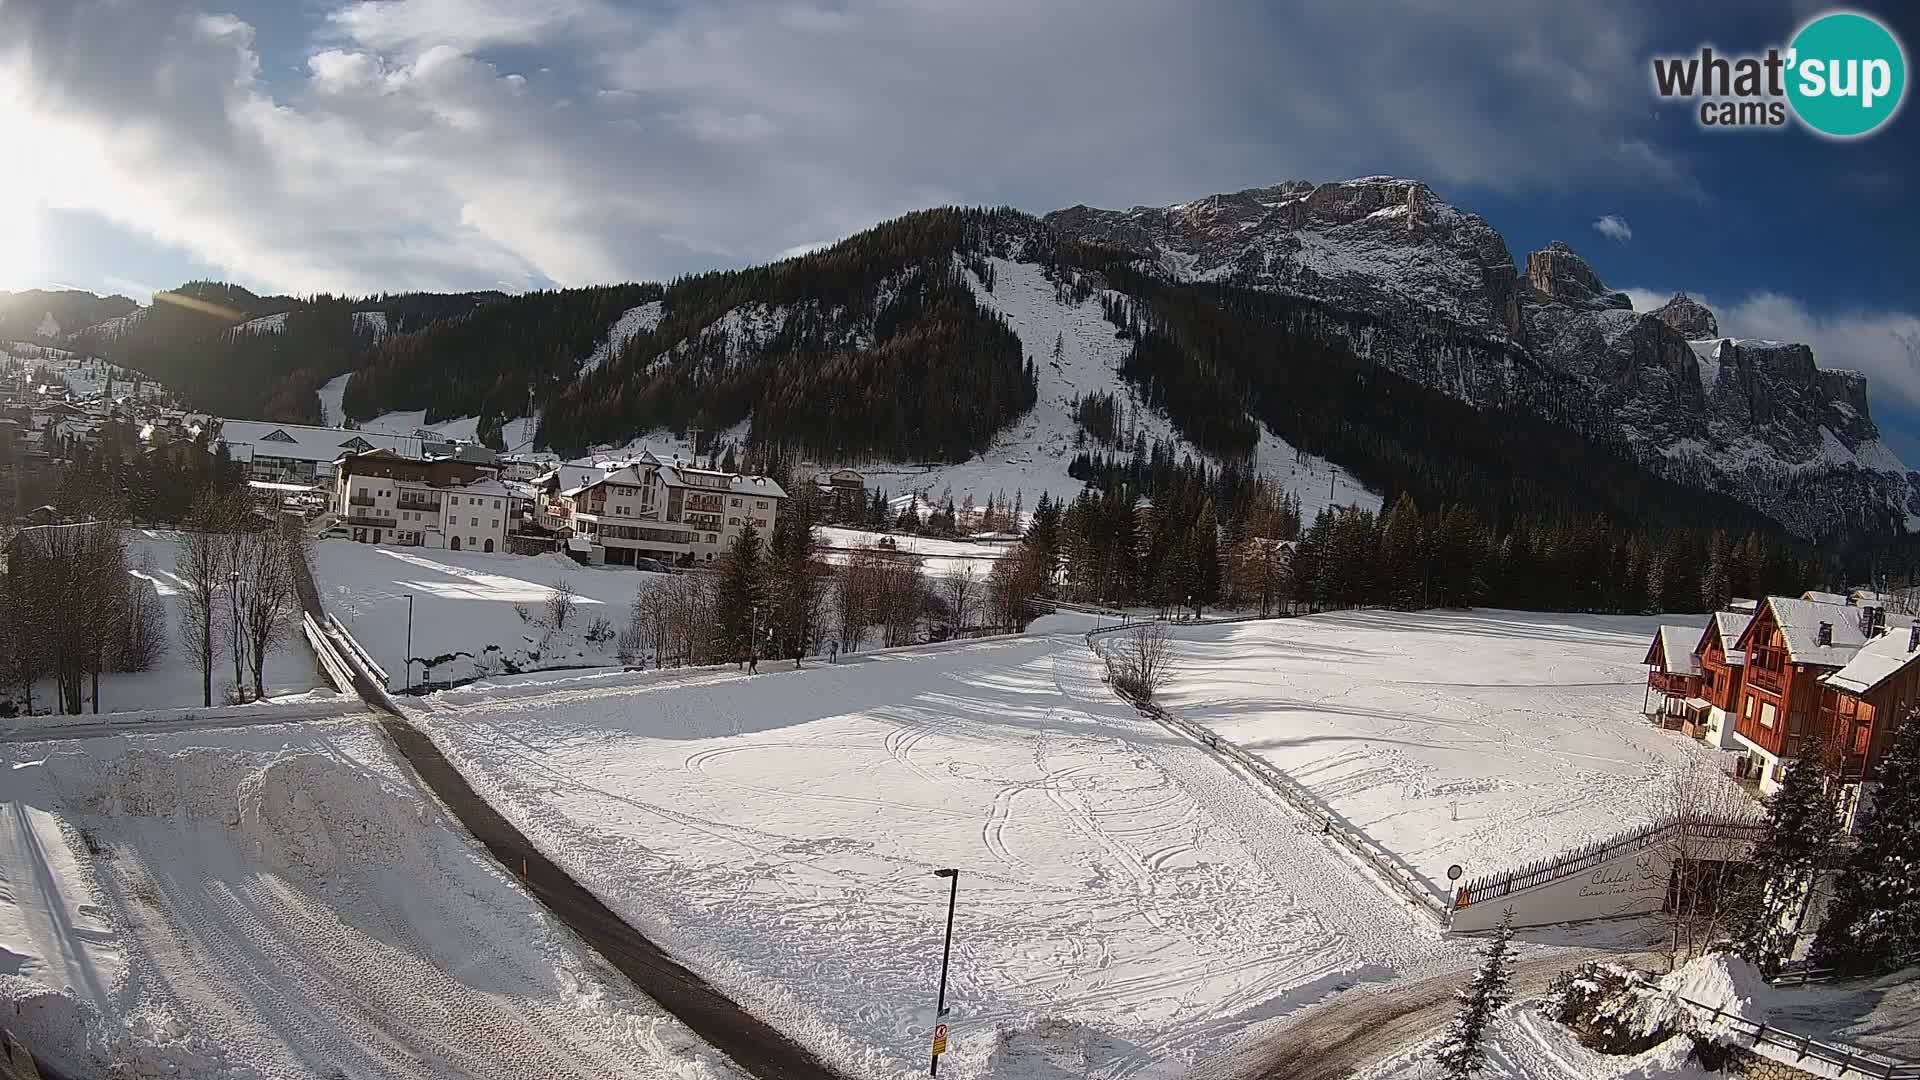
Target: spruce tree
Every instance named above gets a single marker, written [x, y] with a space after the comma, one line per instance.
[1803, 824]
[1716, 584]
[1462, 1053]
[1873, 923]
[739, 592]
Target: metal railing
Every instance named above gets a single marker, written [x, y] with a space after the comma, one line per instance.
[1803, 1047]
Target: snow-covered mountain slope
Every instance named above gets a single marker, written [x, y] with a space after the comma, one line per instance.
[1032, 455]
[1755, 420]
[265, 324]
[372, 321]
[633, 321]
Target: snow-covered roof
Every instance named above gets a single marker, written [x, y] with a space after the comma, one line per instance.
[1819, 597]
[1800, 621]
[1730, 625]
[301, 442]
[483, 487]
[1876, 662]
[1673, 650]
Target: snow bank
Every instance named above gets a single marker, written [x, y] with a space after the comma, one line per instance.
[292, 903]
[1725, 982]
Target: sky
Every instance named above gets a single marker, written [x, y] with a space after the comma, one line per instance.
[360, 146]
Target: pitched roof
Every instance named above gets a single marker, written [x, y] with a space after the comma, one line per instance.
[1818, 597]
[1876, 662]
[302, 442]
[1799, 622]
[1730, 625]
[1673, 651]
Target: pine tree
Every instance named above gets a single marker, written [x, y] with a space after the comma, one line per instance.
[1717, 583]
[739, 575]
[1873, 922]
[1803, 824]
[1462, 1054]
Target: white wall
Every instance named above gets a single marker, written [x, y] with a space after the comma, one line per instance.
[1632, 883]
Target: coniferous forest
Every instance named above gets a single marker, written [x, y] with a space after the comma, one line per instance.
[876, 347]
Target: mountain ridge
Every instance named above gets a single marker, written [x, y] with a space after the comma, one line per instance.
[807, 348]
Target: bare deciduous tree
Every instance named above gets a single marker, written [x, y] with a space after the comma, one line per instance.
[1706, 886]
[143, 640]
[959, 589]
[267, 601]
[561, 603]
[201, 566]
[1140, 660]
[1012, 585]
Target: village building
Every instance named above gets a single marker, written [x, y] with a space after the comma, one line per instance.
[300, 453]
[1673, 671]
[647, 509]
[1723, 666]
[1791, 646]
[382, 497]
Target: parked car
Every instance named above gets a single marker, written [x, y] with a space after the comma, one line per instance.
[652, 566]
[336, 532]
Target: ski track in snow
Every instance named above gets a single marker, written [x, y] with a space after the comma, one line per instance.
[295, 905]
[776, 832]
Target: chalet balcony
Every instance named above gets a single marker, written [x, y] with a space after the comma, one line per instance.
[375, 521]
[705, 504]
[359, 500]
[416, 502]
[1765, 678]
[1674, 684]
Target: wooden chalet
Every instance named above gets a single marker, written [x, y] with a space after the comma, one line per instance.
[1723, 666]
[1791, 645]
[1861, 704]
[1673, 672]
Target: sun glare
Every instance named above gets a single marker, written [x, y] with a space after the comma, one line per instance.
[22, 257]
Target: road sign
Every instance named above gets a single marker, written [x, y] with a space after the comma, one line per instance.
[939, 1039]
[1454, 872]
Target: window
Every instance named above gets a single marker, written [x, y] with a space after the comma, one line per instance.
[712, 539]
[472, 541]
[736, 502]
[453, 500]
[496, 523]
[1766, 714]
[734, 520]
[475, 522]
[496, 504]
[760, 504]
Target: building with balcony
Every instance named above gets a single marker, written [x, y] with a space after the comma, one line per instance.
[301, 453]
[645, 508]
[384, 498]
[1723, 666]
[1794, 648]
[1673, 672]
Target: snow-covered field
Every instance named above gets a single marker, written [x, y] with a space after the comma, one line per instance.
[174, 681]
[466, 608]
[1526, 726]
[938, 558]
[288, 902]
[777, 833]
[1032, 455]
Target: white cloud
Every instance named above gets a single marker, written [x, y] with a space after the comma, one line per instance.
[1649, 300]
[648, 142]
[1613, 227]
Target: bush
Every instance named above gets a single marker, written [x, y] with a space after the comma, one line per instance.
[1139, 662]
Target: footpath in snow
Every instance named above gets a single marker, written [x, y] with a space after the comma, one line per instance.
[288, 902]
[1484, 738]
[1126, 904]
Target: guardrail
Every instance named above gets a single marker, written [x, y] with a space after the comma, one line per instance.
[330, 663]
[1386, 867]
[1803, 1047]
[353, 646]
[1581, 859]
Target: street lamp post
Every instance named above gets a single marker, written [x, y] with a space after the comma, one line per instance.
[233, 600]
[946, 955]
[409, 642]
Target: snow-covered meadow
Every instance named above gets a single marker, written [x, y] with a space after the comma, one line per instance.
[1484, 738]
[283, 902]
[777, 833]
[467, 608]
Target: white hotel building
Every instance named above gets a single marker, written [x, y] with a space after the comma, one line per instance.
[649, 509]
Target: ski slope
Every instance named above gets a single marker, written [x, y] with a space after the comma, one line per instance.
[1484, 738]
[1032, 455]
[776, 832]
[288, 902]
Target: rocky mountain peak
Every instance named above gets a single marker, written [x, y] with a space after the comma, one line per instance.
[1560, 276]
[1689, 316]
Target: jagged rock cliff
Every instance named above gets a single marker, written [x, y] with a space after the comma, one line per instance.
[1758, 420]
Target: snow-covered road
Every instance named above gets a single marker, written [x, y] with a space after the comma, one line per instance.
[1120, 890]
[290, 902]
